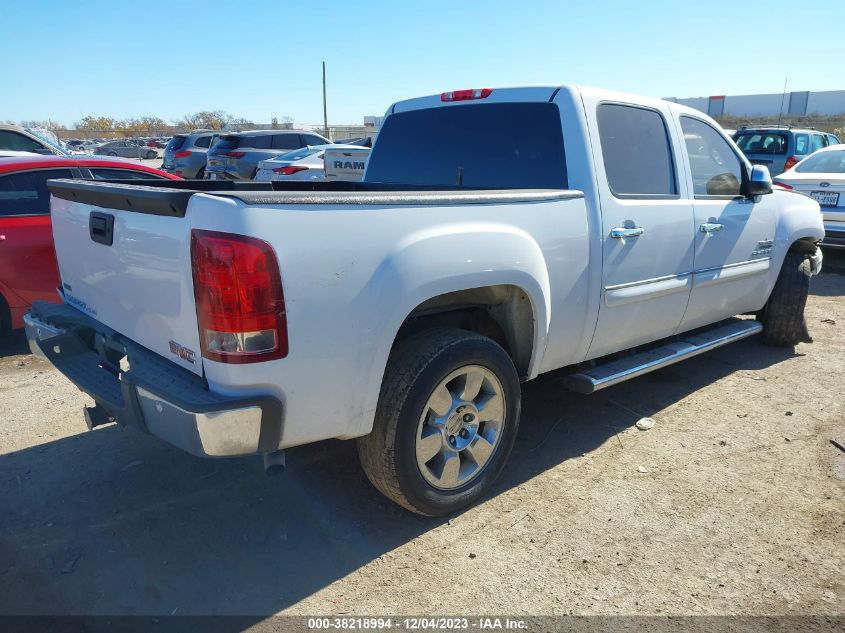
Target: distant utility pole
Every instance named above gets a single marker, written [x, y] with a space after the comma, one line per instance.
[325, 111]
[782, 97]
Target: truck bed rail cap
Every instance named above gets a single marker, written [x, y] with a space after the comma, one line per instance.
[447, 197]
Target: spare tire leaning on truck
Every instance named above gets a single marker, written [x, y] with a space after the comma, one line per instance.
[782, 317]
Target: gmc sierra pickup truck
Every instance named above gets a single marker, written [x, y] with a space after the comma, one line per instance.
[497, 234]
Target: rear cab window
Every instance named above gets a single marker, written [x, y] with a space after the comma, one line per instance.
[472, 145]
[26, 193]
[763, 142]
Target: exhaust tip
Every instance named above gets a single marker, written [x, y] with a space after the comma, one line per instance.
[274, 463]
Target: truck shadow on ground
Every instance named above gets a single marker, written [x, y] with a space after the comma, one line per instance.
[114, 522]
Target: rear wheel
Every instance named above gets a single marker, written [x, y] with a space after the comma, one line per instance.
[201, 174]
[446, 421]
[782, 317]
[112, 153]
[151, 155]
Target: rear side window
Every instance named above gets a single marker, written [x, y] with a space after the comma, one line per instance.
[816, 143]
[18, 142]
[262, 141]
[716, 169]
[286, 141]
[26, 193]
[122, 174]
[472, 145]
[203, 141]
[802, 144]
[637, 154]
[764, 142]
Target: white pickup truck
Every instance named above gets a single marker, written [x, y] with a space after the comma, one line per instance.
[498, 234]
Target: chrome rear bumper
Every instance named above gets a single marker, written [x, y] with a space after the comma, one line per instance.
[136, 387]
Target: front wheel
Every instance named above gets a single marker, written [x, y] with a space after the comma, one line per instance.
[783, 315]
[446, 421]
[151, 155]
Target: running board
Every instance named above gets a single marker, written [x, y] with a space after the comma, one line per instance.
[592, 379]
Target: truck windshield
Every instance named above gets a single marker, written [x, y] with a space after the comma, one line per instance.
[491, 145]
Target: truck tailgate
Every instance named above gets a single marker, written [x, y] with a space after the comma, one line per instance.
[129, 268]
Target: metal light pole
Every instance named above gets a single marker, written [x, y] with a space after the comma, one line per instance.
[325, 112]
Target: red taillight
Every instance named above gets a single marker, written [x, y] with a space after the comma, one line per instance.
[777, 183]
[238, 292]
[466, 95]
[236, 154]
[290, 169]
[183, 154]
[790, 162]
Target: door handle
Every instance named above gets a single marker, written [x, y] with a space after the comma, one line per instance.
[711, 227]
[622, 232]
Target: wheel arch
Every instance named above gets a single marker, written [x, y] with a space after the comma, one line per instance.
[494, 270]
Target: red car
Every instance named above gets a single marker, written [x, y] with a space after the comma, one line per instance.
[28, 269]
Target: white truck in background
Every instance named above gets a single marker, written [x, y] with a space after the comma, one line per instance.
[244, 318]
[345, 163]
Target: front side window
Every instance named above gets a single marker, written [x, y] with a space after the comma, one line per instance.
[26, 193]
[637, 155]
[716, 170]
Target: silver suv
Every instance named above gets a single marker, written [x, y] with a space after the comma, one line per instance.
[236, 156]
[185, 154]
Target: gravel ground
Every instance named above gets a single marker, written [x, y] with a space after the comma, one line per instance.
[731, 504]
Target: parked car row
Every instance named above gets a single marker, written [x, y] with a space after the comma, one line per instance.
[262, 155]
[780, 148]
[806, 161]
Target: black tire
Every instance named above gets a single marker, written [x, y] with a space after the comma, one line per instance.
[782, 317]
[5, 316]
[416, 366]
[201, 174]
[151, 155]
[112, 154]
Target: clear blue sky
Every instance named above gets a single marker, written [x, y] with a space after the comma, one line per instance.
[259, 58]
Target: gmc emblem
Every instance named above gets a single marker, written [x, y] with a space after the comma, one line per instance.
[182, 352]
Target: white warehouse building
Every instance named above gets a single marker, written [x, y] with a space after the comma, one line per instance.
[829, 102]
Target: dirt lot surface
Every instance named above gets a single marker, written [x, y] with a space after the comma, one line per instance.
[731, 504]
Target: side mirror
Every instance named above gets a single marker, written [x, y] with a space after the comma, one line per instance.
[760, 182]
